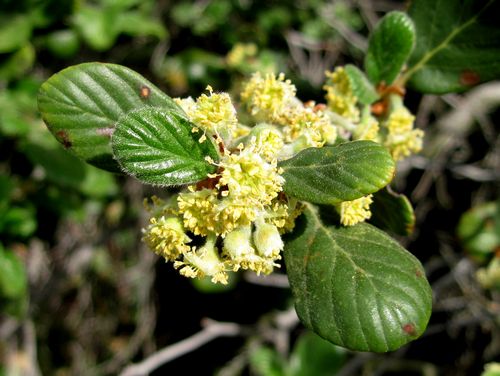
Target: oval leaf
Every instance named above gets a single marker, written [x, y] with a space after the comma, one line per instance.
[361, 86]
[392, 212]
[389, 47]
[458, 44]
[355, 286]
[82, 103]
[158, 147]
[333, 174]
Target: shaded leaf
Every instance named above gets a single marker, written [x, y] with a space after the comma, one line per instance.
[392, 212]
[265, 361]
[312, 355]
[361, 86]
[355, 286]
[13, 283]
[479, 230]
[389, 47]
[82, 103]
[18, 222]
[15, 31]
[458, 44]
[333, 174]
[158, 147]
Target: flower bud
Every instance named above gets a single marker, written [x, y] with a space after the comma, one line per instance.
[267, 239]
[237, 243]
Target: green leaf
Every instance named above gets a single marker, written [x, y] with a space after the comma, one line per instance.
[13, 283]
[15, 31]
[96, 26]
[57, 164]
[389, 47]
[63, 43]
[18, 63]
[361, 86]
[12, 275]
[18, 222]
[158, 146]
[82, 103]
[312, 355]
[355, 286]
[392, 212]
[478, 230]
[265, 361]
[458, 44]
[333, 174]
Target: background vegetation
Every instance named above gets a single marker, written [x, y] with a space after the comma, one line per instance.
[79, 293]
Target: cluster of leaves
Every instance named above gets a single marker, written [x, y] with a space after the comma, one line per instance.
[338, 275]
[457, 52]
[479, 232]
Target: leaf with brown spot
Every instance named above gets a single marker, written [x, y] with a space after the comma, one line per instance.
[458, 44]
[360, 291]
[81, 105]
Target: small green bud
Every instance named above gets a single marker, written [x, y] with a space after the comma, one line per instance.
[267, 239]
[237, 242]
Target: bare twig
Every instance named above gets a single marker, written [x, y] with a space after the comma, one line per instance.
[311, 57]
[30, 348]
[212, 330]
[355, 39]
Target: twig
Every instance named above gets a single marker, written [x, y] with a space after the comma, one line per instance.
[30, 347]
[212, 330]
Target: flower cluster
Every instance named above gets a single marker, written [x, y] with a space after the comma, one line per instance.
[393, 128]
[234, 219]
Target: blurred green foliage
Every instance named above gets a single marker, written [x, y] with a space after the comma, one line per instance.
[311, 355]
[479, 233]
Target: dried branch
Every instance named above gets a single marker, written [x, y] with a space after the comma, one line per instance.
[212, 330]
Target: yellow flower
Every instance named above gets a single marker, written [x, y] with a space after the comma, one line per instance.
[166, 237]
[267, 97]
[307, 127]
[367, 129]
[214, 114]
[198, 210]
[402, 140]
[202, 262]
[355, 211]
[241, 254]
[249, 177]
[267, 141]
[339, 95]
[284, 214]
[239, 53]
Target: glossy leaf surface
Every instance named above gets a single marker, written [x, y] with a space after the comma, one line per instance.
[158, 147]
[333, 174]
[355, 286]
[81, 105]
[389, 47]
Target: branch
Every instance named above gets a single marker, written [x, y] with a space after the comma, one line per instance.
[212, 330]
